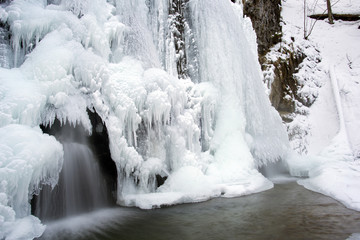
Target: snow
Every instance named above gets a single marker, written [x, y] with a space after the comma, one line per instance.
[329, 127]
[338, 7]
[28, 159]
[354, 236]
[336, 179]
[189, 184]
[25, 228]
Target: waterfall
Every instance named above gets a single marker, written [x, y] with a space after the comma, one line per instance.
[176, 84]
[81, 187]
[5, 50]
[84, 188]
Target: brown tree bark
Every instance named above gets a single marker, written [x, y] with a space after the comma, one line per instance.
[330, 15]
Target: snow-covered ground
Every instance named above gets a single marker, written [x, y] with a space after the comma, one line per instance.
[332, 122]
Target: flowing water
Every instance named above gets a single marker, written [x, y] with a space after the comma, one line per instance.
[5, 49]
[81, 187]
[288, 211]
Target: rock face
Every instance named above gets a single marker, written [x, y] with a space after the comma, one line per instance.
[284, 86]
[265, 16]
[289, 68]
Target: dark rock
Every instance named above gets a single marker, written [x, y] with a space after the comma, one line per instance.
[99, 142]
[160, 180]
[177, 27]
[284, 83]
[265, 17]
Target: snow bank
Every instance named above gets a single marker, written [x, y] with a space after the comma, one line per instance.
[330, 125]
[338, 180]
[338, 7]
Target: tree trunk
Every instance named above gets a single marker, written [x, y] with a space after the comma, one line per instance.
[330, 15]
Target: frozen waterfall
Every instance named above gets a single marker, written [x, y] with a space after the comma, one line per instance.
[176, 83]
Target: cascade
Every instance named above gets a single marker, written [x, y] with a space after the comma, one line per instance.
[82, 186]
[5, 50]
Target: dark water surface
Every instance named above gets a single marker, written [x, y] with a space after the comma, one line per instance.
[288, 211]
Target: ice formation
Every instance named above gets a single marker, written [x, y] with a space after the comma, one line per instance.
[206, 128]
[27, 158]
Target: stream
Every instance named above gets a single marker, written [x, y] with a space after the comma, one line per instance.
[288, 211]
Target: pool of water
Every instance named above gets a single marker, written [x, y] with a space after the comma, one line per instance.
[288, 211]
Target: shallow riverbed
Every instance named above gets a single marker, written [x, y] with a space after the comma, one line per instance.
[288, 211]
